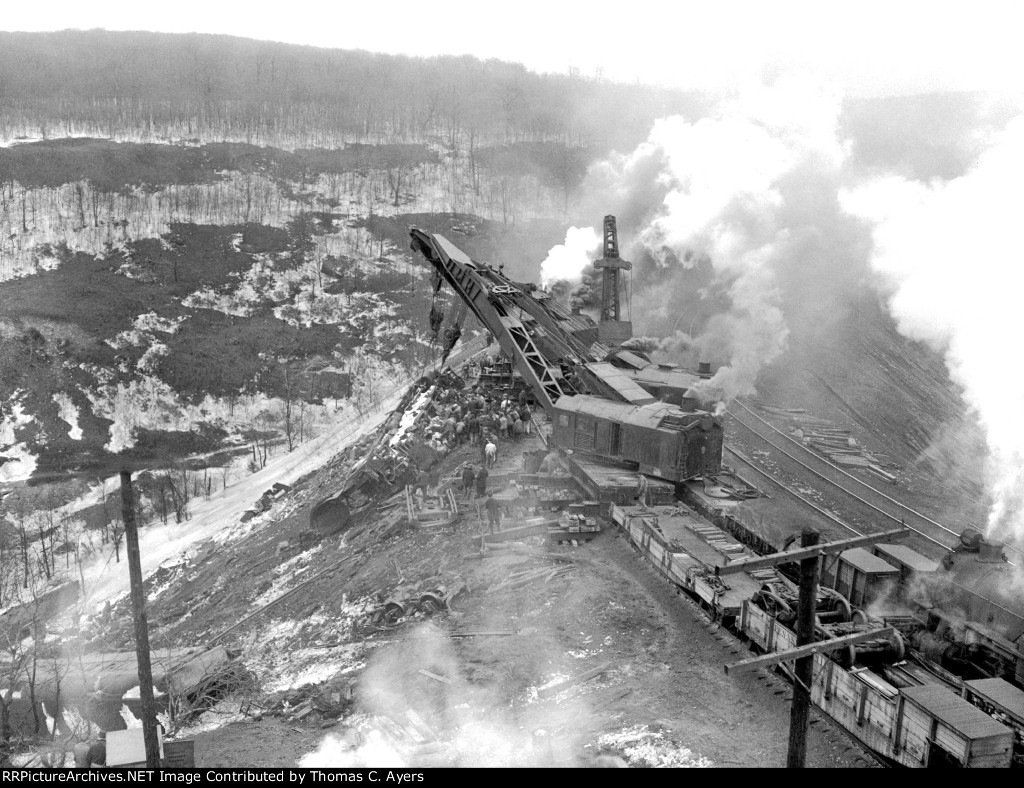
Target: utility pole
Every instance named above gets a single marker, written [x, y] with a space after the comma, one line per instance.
[806, 646]
[141, 626]
[803, 670]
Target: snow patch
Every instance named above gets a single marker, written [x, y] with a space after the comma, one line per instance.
[643, 747]
[292, 653]
[286, 572]
[151, 358]
[48, 263]
[125, 339]
[69, 414]
[145, 403]
[411, 414]
[18, 462]
[151, 321]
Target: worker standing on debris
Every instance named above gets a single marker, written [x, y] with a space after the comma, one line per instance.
[526, 416]
[490, 452]
[641, 491]
[493, 514]
[481, 482]
[550, 463]
[468, 476]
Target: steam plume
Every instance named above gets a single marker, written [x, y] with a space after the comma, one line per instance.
[743, 196]
[950, 255]
[571, 259]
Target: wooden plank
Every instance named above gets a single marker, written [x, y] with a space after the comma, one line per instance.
[434, 676]
[776, 657]
[746, 564]
[519, 532]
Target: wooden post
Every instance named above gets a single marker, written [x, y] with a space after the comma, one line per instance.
[141, 626]
[804, 668]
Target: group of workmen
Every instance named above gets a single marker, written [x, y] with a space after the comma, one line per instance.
[479, 416]
[474, 486]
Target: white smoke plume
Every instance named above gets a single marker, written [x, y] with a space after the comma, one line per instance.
[457, 722]
[950, 254]
[742, 193]
[570, 260]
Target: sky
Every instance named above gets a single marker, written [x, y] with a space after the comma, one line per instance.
[865, 47]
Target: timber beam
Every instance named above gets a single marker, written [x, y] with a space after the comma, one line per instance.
[767, 660]
[762, 562]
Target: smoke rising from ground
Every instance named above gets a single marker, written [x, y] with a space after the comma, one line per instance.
[949, 253]
[466, 722]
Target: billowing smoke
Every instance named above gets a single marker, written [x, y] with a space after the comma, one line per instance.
[571, 259]
[735, 224]
[950, 256]
[582, 296]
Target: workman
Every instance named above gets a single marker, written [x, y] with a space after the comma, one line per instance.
[641, 491]
[493, 514]
[481, 482]
[490, 453]
[468, 476]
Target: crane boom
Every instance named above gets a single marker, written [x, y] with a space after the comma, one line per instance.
[594, 407]
[491, 297]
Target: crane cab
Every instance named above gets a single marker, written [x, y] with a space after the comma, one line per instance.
[661, 439]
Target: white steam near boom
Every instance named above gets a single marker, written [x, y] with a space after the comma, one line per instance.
[733, 189]
[573, 258]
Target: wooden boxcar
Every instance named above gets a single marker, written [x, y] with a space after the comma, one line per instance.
[661, 439]
[926, 725]
[860, 576]
[912, 565]
[947, 730]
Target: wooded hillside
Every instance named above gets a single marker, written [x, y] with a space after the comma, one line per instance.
[221, 87]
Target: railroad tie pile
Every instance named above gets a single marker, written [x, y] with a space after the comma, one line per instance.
[836, 444]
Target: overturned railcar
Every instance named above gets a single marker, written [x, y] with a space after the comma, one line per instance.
[661, 439]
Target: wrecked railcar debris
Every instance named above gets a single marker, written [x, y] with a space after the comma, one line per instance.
[407, 600]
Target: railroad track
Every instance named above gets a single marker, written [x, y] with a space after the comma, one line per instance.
[865, 495]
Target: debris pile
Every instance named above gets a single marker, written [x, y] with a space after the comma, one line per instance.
[324, 703]
[265, 501]
[416, 600]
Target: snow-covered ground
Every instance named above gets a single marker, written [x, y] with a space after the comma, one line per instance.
[105, 579]
[20, 462]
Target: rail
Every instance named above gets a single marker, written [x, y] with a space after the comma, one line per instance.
[861, 482]
[836, 484]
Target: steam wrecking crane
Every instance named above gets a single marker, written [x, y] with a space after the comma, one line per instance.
[595, 408]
